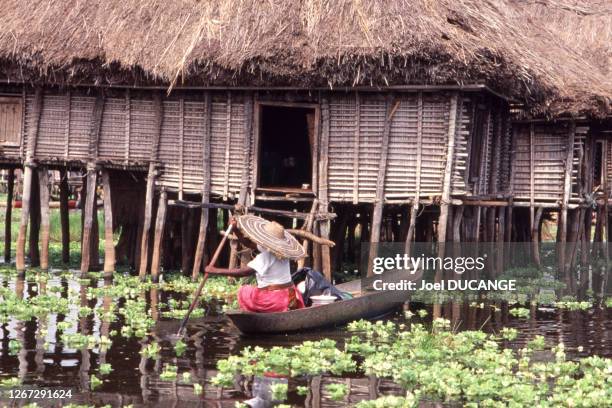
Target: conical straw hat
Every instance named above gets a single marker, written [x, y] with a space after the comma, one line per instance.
[272, 236]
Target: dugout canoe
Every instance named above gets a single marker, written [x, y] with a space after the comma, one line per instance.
[368, 305]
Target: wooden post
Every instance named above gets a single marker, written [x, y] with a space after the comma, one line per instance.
[535, 236]
[152, 175]
[64, 216]
[414, 210]
[33, 236]
[43, 180]
[27, 180]
[8, 215]
[88, 211]
[531, 174]
[200, 249]
[323, 226]
[567, 192]
[160, 222]
[308, 228]
[380, 185]
[109, 245]
[446, 187]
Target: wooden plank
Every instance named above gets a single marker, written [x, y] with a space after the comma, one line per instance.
[567, 191]
[160, 223]
[181, 146]
[128, 123]
[149, 193]
[380, 186]
[228, 141]
[448, 168]
[308, 223]
[109, 245]
[43, 180]
[531, 172]
[67, 118]
[356, 138]
[201, 246]
[96, 124]
[246, 153]
[8, 215]
[323, 153]
[417, 194]
[64, 215]
[88, 210]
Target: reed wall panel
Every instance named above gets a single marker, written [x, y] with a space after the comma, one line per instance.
[549, 153]
[114, 140]
[51, 143]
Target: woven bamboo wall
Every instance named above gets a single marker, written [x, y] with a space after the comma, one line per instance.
[356, 124]
[545, 157]
[355, 138]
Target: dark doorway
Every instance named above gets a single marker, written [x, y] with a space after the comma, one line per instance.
[286, 140]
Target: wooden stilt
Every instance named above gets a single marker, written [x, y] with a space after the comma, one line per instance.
[446, 188]
[379, 202]
[152, 175]
[43, 179]
[160, 222]
[34, 235]
[535, 236]
[109, 245]
[8, 215]
[457, 224]
[88, 212]
[27, 180]
[501, 225]
[201, 247]
[25, 218]
[325, 251]
[308, 228]
[64, 220]
[567, 191]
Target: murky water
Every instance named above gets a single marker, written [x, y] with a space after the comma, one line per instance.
[44, 361]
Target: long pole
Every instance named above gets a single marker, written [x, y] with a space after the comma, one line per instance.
[201, 286]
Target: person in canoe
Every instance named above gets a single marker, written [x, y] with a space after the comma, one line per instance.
[275, 291]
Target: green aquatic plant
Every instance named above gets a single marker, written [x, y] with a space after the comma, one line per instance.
[11, 382]
[14, 346]
[279, 391]
[186, 377]
[389, 401]
[467, 368]
[301, 390]
[169, 373]
[180, 347]
[573, 305]
[94, 382]
[105, 368]
[151, 350]
[509, 333]
[520, 312]
[337, 392]
[197, 389]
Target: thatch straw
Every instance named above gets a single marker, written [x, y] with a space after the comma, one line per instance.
[311, 43]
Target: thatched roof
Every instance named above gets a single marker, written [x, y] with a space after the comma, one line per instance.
[308, 43]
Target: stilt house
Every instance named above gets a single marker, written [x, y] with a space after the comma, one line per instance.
[310, 106]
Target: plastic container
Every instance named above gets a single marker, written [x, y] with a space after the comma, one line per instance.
[322, 300]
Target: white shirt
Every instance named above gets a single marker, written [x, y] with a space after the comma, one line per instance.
[269, 270]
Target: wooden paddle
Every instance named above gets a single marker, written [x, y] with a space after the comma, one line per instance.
[179, 333]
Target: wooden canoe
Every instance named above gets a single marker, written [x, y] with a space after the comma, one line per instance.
[364, 306]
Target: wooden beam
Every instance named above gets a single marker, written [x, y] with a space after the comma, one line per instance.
[34, 235]
[149, 194]
[201, 247]
[380, 182]
[323, 154]
[448, 169]
[64, 215]
[181, 146]
[43, 180]
[282, 213]
[567, 192]
[96, 124]
[160, 223]
[414, 209]
[109, 245]
[308, 228]
[228, 142]
[356, 140]
[8, 215]
[531, 173]
[535, 236]
[88, 210]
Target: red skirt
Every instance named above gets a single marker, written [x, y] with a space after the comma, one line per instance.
[253, 299]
